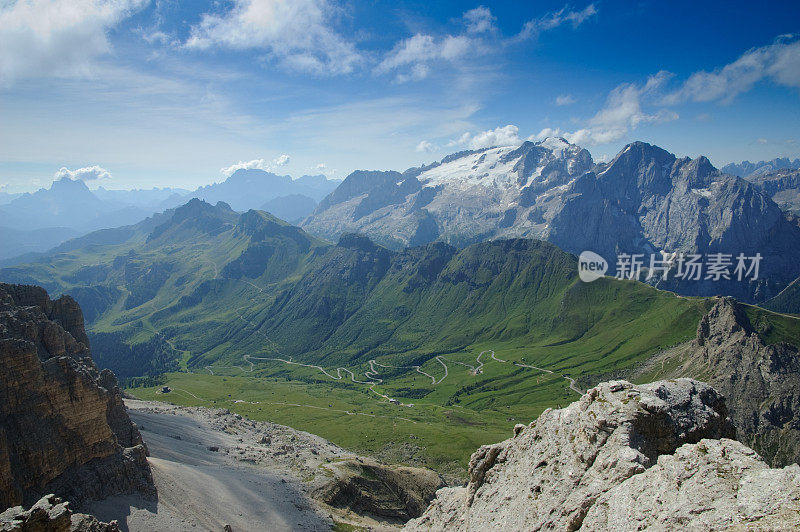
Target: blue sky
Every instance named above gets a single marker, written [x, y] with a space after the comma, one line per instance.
[138, 93]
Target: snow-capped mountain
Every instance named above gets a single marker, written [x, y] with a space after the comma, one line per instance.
[465, 197]
[645, 201]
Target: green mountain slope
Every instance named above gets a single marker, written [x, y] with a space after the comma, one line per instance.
[210, 287]
[248, 311]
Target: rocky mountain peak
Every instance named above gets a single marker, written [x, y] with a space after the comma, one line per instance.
[197, 214]
[726, 319]
[623, 457]
[357, 242]
[68, 184]
[643, 201]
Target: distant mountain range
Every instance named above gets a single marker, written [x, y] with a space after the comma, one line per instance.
[644, 201]
[746, 168]
[222, 282]
[250, 188]
[38, 221]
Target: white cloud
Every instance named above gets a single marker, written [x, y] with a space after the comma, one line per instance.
[622, 113]
[778, 62]
[425, 147]
[87, 173]
[257, 164]
[534, 27]
[565, 99]
[415, 56]
[499, 136]
[626, 105]
[296, 33]
[320, 167]
[57, 37]
[546, 132]
[480, 20]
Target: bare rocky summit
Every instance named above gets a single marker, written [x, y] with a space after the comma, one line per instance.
[623, 457]
[63, 425]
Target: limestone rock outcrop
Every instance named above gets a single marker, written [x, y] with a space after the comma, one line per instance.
[621, 458]
[51, 514]
[63, 426]
[365, 486]
[760, 382]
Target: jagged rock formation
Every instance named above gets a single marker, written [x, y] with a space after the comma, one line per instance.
[662, 446]
[710, 485]
[761, 383]
[51, 514]
[464, 198]
[644, 201]
[63, 426]
[783, 186]
[747, 169]
[393, 492]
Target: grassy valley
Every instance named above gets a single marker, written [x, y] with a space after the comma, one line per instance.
[250, 313]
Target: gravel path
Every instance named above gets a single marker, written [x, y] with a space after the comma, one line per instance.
[201, 489]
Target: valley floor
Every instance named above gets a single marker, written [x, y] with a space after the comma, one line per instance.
[213, 468]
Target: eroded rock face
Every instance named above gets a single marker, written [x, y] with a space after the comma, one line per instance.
[570, 468]
[710, 485]
[761, 383]
[51, 514]
[63, 427]
[393, 492]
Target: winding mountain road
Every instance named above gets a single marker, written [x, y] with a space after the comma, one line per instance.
[372, 374]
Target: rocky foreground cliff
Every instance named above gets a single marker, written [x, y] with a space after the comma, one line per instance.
[760, 381]
[63, 426]
[623, 457]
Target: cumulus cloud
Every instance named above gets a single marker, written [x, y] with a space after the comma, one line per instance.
[480, 20]
[546, 132]
[630, 105]
[622, 112]
[57, 37]
[417, 54]
[257, 164]
[321, 167]
[414, 57]
[425, 147]
[565, 15]
[565, 99]
[778, 62]
[500, 136]
[87, 173]
[298, 34]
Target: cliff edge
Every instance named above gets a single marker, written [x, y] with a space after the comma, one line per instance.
[63, 426]
[623, 457]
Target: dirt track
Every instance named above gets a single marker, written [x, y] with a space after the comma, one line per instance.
[200, 489]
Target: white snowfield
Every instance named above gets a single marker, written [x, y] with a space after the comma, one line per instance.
[494, 168]
[478, 169]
